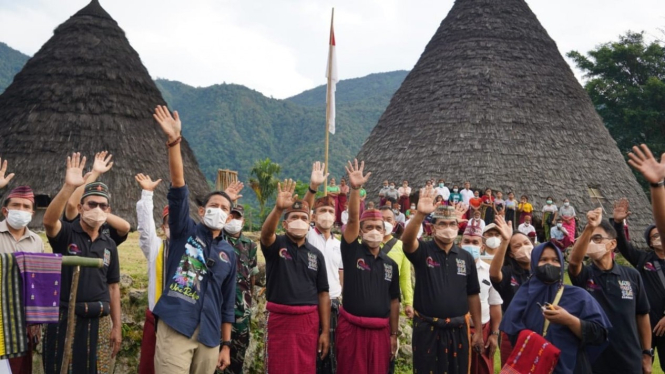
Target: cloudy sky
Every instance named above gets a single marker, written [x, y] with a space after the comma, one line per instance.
[280, 47]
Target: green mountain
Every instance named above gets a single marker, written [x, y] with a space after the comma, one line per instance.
[231, 126]
[11, 62]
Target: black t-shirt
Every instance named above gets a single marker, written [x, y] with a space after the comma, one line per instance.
[105, 229]
[370, 283]
[646, 263]
[620, 292]
[294, 275]
[93, 283]
[513, 276]
[443, 280]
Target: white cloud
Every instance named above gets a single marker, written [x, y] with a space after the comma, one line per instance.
[280, 47]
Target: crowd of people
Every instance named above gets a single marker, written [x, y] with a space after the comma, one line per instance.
[484, 280]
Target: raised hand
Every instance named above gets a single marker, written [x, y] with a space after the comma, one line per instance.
[4, 180]
[233, 190]
[642, 160]
[460, 211]
[426, 200]
[318, 176]
[102, 163]
[505, 228]
[356, 177]
[146, 183]
[621, 210]
[170, 124]
[74, 174]
[594, 217]
[285, 196]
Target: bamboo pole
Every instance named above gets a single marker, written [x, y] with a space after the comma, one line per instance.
[76, 261]
[71, 322]
[328, 98]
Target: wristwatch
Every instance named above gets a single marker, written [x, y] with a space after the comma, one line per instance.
[658, 185]
[226, 343]
[497, 333]
[396, 333]
[649, 352]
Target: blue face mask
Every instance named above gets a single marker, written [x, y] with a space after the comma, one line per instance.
[473, 249]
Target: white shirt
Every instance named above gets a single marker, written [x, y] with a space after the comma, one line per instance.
[488, 295]
[420, 230]
[345, 217]
[149, 242]
[443, 191]
[526, 230]
[400, 218]
[333, 255]
[466, 195]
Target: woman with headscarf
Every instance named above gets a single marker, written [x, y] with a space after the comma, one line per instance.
[576, 325]
[509, 269]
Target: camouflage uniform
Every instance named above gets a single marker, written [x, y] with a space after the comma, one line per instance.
[247, 267]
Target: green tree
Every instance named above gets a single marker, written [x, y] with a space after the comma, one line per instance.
[626, 83]
[264, 182]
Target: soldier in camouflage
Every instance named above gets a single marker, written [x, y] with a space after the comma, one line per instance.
[247, 269]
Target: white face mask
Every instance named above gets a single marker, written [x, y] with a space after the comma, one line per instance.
[298, 228]
[656, 243]
[493, 242]
[215, 218]
[94, 217]
[413, 207]
[446, 235]
[233, 227]
[372, 238]
[596, 251]
[559, 225]
[18, 219]
[325, 220]
[523, 254]
[388, 227]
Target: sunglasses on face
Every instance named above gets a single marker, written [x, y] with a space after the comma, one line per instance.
[94, 204]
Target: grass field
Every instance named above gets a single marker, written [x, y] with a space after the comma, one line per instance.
[134, 264]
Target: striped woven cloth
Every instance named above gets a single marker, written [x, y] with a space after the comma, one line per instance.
[41, 285]
[13, 337]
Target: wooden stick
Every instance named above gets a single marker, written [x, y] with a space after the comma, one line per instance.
[328, 98]
[71, 321]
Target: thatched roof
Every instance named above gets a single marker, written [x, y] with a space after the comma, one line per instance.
[86, 90]
[492, 101]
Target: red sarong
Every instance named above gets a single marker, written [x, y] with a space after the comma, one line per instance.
[482, 363]
[147, 361]
[532, 354]
[363, 344]
[291, 339]
[505, 347]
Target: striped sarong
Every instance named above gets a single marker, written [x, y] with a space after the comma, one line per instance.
[13, 337]
[41, 285]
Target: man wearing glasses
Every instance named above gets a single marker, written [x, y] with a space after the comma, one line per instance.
[446, 292]
[98, 332]
[620, 291]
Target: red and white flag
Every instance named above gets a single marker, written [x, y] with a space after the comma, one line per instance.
[331, 74]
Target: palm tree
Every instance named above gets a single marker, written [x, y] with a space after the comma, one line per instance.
[264, 182]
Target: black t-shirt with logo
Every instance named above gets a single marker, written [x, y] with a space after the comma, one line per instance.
[513, 276]
[370, 283]
[294, 275]
[620, 292]
[443, 280]
[93, 283]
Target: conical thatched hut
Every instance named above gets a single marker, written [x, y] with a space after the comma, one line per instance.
[492, 101]
[86, 90]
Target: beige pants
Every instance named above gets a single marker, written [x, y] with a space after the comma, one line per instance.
[177, 354]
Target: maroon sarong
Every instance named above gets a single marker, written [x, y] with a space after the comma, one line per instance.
[291, 339]
[339, 208]
[147, 362]
[363, 344]
[506, 348]
[404, 204]
[482, 363]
